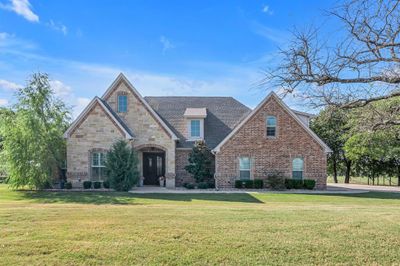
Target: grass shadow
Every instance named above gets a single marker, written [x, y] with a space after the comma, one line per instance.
[226, 197]
[118, 198]
[124, 198]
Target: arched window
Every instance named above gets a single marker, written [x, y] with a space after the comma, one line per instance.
[298, 166]
[271, 126]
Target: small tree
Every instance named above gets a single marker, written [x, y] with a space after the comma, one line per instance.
[122, 166]
[201, 164]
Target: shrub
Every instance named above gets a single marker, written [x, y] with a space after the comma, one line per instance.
[293, 183]
[189, 185]
[276, 180]
[106, 184]
[244, 184]
[211, 184]
[309, 183]
[201, 162]
[122, 166]
[202, 185]
[96, 185]
[68, 185]
[258, 183]
[87, 184]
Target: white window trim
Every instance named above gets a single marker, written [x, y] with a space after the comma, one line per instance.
[250, 169]
[276, 127]
[96, 166]
[189, 129]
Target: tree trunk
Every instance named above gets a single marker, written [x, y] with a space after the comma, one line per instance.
[398, 175]
[335, 171]
[348, 169]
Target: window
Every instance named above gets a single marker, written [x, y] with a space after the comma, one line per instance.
[98, 166]
[159, 166]
[271, 126]
[122, 103]
[244, 167]
[298, 165]
[195, 129]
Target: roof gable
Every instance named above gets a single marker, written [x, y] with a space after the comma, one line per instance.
[287, 109]
[110, 114]
[121, 78]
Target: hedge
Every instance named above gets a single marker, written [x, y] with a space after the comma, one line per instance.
[87, 184]
[256, 183]
[96, 184]
[300, 183]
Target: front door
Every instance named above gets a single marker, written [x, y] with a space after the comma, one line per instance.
[153, 167]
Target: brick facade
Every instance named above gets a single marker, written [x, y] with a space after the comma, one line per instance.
[182, 176]
[269, 154]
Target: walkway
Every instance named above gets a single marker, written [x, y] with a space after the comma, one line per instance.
[349, 187]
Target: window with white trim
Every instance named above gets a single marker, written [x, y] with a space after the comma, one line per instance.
[122, 103]
[271, 126]
[195, 129]
[244, 167]
[298, 167]
[98, 166]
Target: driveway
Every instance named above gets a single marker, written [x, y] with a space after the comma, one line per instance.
[350, 187]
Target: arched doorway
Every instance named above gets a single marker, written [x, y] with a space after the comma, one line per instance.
[153, 165]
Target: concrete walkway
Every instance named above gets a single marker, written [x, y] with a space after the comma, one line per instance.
[156, 189]
[366, 188]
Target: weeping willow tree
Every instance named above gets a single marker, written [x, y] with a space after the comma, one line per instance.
[33, 148]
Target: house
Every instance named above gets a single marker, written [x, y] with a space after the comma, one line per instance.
[163, 130]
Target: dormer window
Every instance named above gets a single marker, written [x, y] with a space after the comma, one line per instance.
[122, 103]
[195, 123]
[195, 129]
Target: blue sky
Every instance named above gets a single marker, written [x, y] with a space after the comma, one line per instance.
[204, 48]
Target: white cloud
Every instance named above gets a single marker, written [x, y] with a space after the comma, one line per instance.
[266, 9]
[8, 85]
[167, 44]
[3, 102]
[22, 8]
[58, 27]
[60, 89]
[10, 41]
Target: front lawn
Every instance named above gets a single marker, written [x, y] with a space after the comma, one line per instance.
[38, 228]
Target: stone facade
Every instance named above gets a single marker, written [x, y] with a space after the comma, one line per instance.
[271, 154]
[148, 131]
[96, 132]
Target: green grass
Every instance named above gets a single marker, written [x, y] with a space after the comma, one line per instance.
[42, 228]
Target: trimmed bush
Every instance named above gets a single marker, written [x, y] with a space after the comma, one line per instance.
[96, 185]
[189, 185]
[211, 184]
[294, 183]
[276, 180]
[106, 184]
[202, 185]
[87, 184]
[258, 183]
[68, 185]
[309, 184]
[244, 184]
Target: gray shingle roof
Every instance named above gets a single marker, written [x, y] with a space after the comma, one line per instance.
[223, 114]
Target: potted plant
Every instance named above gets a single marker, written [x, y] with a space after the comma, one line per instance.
[161, 179]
